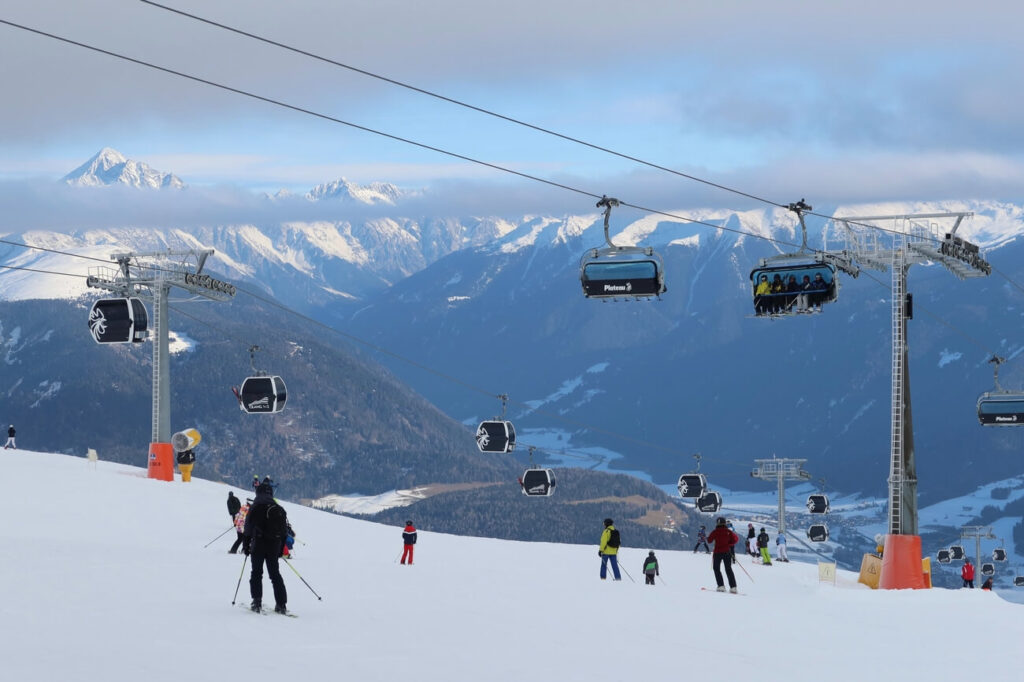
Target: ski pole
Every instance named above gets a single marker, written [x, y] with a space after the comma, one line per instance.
[217, 538]
[399, 556]
[303, 580]
[239, 579]
[744, 570]
[627, 573]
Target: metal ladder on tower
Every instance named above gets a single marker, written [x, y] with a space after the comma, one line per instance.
[898, 347]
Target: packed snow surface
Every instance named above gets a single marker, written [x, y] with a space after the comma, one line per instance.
[106, 577]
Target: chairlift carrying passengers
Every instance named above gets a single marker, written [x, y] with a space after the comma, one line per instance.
[496, 435]
[818, 533]
[118, 320]
[1000, 407]
[621, 271]
[261, 393]
[793, 283]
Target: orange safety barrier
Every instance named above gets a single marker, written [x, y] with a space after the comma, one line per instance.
[161, 462]
[901, 563]
[926, 572]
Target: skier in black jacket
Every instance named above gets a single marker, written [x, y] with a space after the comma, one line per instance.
[10, 438]
[265, 527]
[234, 504]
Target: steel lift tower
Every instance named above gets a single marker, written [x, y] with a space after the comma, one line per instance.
[150, 277]
[781, 470]
[907, 240]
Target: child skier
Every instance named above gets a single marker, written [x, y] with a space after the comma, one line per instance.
[702, 539]
[651, 567]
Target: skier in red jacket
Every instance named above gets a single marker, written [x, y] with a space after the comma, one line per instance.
[409, 539]
[967, 573]
[723, 541]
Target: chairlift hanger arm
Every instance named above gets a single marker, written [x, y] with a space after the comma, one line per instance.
[607, 203]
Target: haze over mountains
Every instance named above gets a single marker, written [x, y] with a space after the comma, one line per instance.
[494, 304]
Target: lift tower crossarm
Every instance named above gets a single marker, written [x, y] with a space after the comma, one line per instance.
[781, 470]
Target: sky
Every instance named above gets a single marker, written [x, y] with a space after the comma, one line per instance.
[841, 102]
[118, 573]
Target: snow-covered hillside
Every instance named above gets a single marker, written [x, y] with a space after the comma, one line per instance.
[106, 574]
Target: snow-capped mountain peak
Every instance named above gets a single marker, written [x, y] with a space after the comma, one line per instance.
[342, 189]
[110, 167]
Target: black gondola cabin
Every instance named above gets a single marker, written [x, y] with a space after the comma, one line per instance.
[263, 395]
[709, 502]
[118, 320]
[818, 533]
[988, 569]
[956, 552]
[818, 504]
[942, 556]
[538, 482]
[999, 554]
[692, 485]
[496, 436]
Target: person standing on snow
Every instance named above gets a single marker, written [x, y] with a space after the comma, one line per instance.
[723, 540]
[780, 547]
[265, 527]
[234, 504]
[10, 438]
[967, 573]
[650, 568]
[609, 549]
[408, 541]
[762, 546]
[240, 525]
[702, 539]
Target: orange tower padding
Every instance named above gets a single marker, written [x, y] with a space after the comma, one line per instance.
[161, 461]
[901, 563]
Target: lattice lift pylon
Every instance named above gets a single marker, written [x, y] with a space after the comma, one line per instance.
[151, 276]
[781, 470]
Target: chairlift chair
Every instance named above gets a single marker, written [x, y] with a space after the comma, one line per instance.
[818, 533]
[988, 568]
[818, 504]
[621, 271]
[118, 320]
[537, 482]
[709, 502]
[956, 552]
[942, 556]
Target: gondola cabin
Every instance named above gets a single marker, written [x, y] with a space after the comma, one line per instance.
[1018, 581]
[118, 320]
[622, 272]
[956, 552]
[263, 395]
[818, 504]
[790, 289]
[1001, 409]
[709, 502]
[818, 533]
[988, 569]
[999, 554]
[538, 482]
[942, 556]
[496, 436]
[692, 485]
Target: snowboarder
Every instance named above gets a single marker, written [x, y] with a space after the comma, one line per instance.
[702, 539]
[265, 528]
[609, 549]
[651, 567]
[780, 547]
[967, 573]
[409, 541]
[10, 438]
[762, 546]
[723, 540]
[186, 460]
[240, 525]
